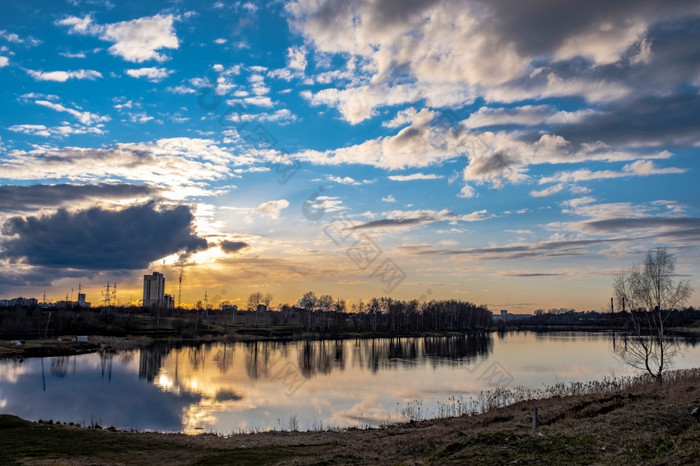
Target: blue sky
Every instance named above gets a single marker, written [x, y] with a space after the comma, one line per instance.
[513, 154]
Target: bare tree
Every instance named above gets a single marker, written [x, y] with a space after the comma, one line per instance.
[308, 302]
[650, 291]
[254, 302]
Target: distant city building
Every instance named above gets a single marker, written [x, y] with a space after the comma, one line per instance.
[153, 290]
[168, 301]
[18, 302]
[505, 315]
[81, 300]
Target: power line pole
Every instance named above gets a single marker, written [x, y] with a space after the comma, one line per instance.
[206, 308]
[179, 289]
[108, 296]
[106, 299]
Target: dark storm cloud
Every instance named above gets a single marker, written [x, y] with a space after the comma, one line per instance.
[672, 228]
[98, 239]
[540, 26]
[233, 246]
[673, 119]
[393, 222]
[491, 163]
[540, 249]
[389, 12]
[622, 224]
[15, 198]
[37, 276]
[675, 46]
[677, 229]
[663, 109]
[536, 27]
[378, 14]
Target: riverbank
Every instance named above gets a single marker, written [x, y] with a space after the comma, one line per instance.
[32, 348]
[10, 349]
[55, 347]
[633, 422]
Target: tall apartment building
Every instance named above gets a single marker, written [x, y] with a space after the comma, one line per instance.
[153, 290]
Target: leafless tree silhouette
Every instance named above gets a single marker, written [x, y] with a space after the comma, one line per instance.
[650, 291]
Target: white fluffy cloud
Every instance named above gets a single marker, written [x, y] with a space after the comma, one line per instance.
[153, 74]
[86, 118]
[605, 43]
[415, 176]
[638, 168]
[449, 53]
[272, 209]
[410, 218]
[63, 76]
[410, 116]
[527, 115]
[183, 167]
[296, 58]
[59, 131]
[136, 41]
[4, 61]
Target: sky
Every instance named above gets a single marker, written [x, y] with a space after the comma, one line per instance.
[516, 154]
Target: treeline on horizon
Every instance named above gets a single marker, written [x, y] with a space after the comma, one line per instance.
[323, 316]
[684, 317]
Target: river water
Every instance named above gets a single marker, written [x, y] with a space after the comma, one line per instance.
[243, 387]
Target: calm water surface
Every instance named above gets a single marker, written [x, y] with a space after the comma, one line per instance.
[228, 388]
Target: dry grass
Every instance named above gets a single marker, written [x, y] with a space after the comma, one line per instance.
[621, 421]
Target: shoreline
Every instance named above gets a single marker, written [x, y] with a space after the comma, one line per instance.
[52, 347]
[634, 422]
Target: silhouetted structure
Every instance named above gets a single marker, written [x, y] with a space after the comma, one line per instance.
[168, 302]
[153, 290]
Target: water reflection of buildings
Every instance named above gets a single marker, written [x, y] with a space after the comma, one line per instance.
[263, 359]
[151, 360]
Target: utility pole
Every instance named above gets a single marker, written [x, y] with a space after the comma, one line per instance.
[206, 312]
[107, 297]
[179, 289]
